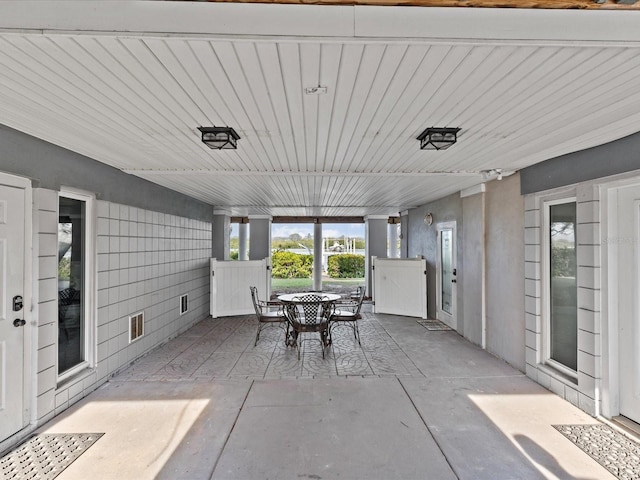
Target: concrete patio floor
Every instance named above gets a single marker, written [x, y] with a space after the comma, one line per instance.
[409, 404]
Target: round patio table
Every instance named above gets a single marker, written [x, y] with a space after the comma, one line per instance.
[293, 328]
[297, 297]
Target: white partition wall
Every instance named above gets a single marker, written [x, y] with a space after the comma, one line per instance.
[230, 282]
[400, 286]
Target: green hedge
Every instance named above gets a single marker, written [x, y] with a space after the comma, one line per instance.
[345, 265]
[291, 265]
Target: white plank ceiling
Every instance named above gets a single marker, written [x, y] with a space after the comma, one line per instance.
[133, 99]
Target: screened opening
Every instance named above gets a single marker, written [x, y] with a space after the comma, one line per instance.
[292, 256]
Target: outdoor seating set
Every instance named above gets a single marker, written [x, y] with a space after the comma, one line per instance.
[312, 312]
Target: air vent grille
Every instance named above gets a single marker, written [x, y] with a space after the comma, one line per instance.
[184, 304]
[136, 326]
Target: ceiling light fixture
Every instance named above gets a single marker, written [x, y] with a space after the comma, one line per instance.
[438, 138]
[219, 138]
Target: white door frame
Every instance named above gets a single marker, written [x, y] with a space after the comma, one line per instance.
[611, 238]
[30, 337]
[449, 319]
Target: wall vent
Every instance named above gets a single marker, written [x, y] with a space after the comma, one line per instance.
[136, 326]
[184, 304]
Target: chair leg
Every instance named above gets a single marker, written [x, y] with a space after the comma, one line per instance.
[258, 334]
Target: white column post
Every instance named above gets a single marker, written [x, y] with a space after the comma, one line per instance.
[220, 234]
[259, 237]
[375, 231]
[242, 241]
[404, 234]
[317, 256]
[392, 237]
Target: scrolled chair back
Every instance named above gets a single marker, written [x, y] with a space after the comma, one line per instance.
[256, 301]
[312, 308]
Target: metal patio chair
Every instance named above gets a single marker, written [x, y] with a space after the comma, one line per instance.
[308, 313]
[348, 314]
[268, 314]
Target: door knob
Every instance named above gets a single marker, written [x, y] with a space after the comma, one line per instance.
[19, 322]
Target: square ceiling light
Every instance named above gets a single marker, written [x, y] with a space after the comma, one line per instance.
[438, 138]
[219, 138]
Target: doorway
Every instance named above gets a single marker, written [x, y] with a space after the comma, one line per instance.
[446, 272]
[15, 224]
[628, 300]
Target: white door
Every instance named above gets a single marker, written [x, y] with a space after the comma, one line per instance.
[12, 329]
[446, 287]
[628, 301]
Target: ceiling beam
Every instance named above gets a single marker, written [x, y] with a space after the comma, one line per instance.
[317, 219]
[544, 4]
[275, 173]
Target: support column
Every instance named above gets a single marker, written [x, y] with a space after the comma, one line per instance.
[375, 239]
[259, 237]
[220, 234]
[404, 234]
[317, 256]
[392, 237]
[242, 241]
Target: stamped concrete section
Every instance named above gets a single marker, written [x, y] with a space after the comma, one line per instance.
[408, 404]
[501, 427]
[152, 430]
[331, 428]
[224, 348]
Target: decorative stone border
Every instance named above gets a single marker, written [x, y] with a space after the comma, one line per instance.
[45, 456]
[614, 451]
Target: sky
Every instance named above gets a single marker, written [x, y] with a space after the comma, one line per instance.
[329, 230]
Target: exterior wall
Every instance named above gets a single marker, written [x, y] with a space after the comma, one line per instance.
[581, 392]
[473, 245]
[600, 168]
[505, 296]
[46, 302]
[422, 241]
[612, 158]
[51, 167]
[586, 175]
[151, 246]
[145, 261]
[490, 259]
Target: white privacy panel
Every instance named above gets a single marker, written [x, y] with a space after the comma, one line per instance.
[230, 282]
[400, 286]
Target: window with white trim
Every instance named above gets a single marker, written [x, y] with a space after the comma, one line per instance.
[74, 281]
[561, 288]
